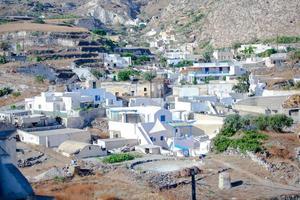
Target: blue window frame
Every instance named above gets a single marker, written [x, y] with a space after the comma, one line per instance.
[97, 98]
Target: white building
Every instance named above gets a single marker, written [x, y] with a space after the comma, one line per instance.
[203, 104]
[53, 138]
[277, 60]
[174, 56]
[150, 125]
[223, 55]
[116, 61]
[80, 150]
[200, 72]
[67, 103]
[145, 101]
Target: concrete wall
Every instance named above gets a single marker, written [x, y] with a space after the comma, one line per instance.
[117, 143]
[53, 140]
[279, 92]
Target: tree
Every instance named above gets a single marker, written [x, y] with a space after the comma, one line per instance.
[149, 76]
[279, 121]
[243, 84]
[2, 60]
[248, 51]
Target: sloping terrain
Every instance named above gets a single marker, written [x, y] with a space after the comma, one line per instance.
[219, 23]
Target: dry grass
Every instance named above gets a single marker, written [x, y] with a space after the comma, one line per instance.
[26, 26]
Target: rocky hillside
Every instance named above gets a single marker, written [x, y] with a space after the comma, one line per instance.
[224, 22]
[216, 22]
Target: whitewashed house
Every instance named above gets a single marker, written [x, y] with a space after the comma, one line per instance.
[200, 72]
[151, 125]
[67, 103]
[174, 56]
[116, 61]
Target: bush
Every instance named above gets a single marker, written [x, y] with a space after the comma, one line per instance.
[279, 121]
[267, 53]
[16, 94]
[221, 143]
[99, 32]
[116, 158]
[39, 79]
[124, 75]
[39, 21]
[232, 124]
[97, 73]
[249, 141]
[261, 122]
[2, 60]
[5, 91]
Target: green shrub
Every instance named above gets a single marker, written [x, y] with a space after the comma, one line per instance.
[221, 143]
[267, 53]
[261, 122]
[5, 91]
[279, 121]
[2, 60]
[99, 32]
[39, 21]
[39, 79]
[116, 158]
[16, 94]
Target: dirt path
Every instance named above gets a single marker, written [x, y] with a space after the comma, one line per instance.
[261, 181]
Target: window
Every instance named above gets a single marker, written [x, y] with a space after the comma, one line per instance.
[145, 89]
[40, 107]
[162, 118]
[153, 139]
[90, 148]
[30, 106]
[176, 130]
[162, 138]
[97, 98]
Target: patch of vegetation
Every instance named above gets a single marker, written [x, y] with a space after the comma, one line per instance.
[2, 60]
[267, 53]
[4, 21]
[243, 132]
[243, 84]
[66, 16]
[98, 74]
[124, 75]
[13, 107]
[39, 21]
[137, 60]
[16, 94]
[183, 63]
[39, 79]
[283, 40]
[120, 157]
[207, 53]
[5, 91]
[59, 179]
[100, 32]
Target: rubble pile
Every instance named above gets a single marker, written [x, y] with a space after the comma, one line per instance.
[292, 102]
[28, 162]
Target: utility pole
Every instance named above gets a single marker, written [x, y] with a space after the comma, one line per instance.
[193, 185]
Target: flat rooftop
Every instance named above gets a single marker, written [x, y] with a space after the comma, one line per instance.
[62, 131]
